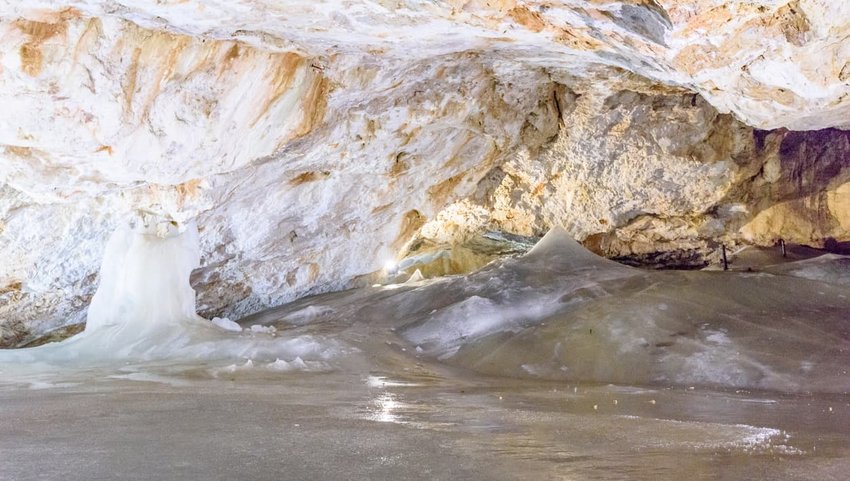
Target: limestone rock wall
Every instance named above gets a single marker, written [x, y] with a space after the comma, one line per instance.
[772, 63]
[302, 175]
[658, 177]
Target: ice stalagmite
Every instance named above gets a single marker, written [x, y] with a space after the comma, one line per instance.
[144, 280]
[144, 310]
[144, 307]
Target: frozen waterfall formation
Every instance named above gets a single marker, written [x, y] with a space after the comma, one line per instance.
[558, 312]
[145, 280]
[144, 310]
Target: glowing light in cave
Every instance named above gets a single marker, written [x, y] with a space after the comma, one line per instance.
[391, 266]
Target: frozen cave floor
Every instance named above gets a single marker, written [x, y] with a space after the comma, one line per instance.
[554, 365]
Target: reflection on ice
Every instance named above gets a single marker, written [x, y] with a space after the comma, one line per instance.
[385, 408]
[712, 436]
[381, 381]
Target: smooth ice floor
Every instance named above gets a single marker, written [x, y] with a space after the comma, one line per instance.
[330, 427]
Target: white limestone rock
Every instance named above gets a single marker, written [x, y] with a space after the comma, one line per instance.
[312, 140]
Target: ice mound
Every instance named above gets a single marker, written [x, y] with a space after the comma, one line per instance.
[308, 314]
[560, 312]
[514, 294]
[557, 245]
[415, 277]
[760, 332]
[709, 436]
[563, 313]
[250, 367]
[478, 316]
[281, 365]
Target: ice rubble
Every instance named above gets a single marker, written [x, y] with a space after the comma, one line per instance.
[226, 324]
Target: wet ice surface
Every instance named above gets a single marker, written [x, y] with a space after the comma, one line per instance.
[555, 365]
[418, 426]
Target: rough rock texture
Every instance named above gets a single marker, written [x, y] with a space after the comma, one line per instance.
[313, 140]
[301, 179]
[774, 63]
[658, 177]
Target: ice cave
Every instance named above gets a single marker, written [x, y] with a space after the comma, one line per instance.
[424, 240]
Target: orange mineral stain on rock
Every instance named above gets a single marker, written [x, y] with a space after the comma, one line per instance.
[709, 21]
[129, 86]
[314, 104]
[39, 32]
[153, 60]
[791, 20]
[412, 221]
[306, 177]
[313, 271]
[87, 39]
[104, 148]
[20, 151]
[14, 286]
[746, 27]
[189, 189]
[441, 192]
[282, 72]
[398, 165]
[528, 19]
[229, 59]
[32, 57]
[381, 209]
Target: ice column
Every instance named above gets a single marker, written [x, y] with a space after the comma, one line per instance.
[144, 282]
